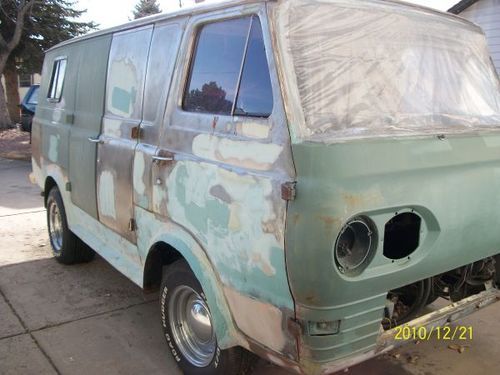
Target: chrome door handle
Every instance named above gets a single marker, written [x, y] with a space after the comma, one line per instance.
[95, 140]
[157, 158]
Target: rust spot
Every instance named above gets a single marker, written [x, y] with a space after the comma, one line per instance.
[312, 299]
[330, 222]
[356, 201]
[352, 200]
[295, 218]
[214, 122]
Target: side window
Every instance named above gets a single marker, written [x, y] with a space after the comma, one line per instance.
[229, 72]
[128, 58]
[57, 80]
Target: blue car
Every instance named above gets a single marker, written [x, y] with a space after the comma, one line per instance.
[28, 107]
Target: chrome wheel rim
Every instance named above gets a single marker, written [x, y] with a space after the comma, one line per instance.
[55, 226]
[191, 325]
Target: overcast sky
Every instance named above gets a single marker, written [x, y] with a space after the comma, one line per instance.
[109, 13]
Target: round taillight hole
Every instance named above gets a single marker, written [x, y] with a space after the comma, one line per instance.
[354, 245]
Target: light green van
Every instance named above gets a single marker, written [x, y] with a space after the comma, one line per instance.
[298, 178]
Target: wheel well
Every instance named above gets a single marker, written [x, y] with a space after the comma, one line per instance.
[49, 184]
[160, 255]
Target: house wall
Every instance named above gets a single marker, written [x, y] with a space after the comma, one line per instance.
[486, 13]
[22, 90]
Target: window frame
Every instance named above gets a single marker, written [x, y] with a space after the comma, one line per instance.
[56, 64]
[179, 125]
[183, 71]
[198, 32]
[23, 82]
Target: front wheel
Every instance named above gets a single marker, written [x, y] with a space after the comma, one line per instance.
[189, 330]
[66, 247]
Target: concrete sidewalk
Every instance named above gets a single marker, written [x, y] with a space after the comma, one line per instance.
[89, 319]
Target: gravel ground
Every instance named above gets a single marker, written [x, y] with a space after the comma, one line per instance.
[15, 144]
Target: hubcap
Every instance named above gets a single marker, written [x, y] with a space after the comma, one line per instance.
[55, 226]
[191, 325]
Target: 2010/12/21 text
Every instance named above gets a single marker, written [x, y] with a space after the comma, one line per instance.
[445, 333]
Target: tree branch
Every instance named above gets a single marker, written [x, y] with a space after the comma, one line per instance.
[18, 32]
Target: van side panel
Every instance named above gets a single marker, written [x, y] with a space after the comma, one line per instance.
[123, 112]
[56, 117]
[88, 117]
[162, 58]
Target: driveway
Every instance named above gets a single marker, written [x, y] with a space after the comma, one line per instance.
[89, 319]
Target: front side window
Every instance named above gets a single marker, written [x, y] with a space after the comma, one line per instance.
[229, 71]
[57, 80]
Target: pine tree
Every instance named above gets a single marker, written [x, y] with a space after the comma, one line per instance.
[146, 8]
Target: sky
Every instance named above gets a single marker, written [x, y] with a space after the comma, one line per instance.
[108, 13]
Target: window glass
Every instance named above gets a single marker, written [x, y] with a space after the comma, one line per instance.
[216, 67]
[255, 96]
[60, 78]
[33, 99]
[24, 80]
[57, 79]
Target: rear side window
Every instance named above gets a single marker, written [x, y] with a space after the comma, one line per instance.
[57, 79]
[229, 72]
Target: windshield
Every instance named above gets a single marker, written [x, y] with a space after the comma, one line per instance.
[33, 98]
[363, 68]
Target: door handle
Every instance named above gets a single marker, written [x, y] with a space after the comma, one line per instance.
[95, 140]
[162, 156]
[158, 158]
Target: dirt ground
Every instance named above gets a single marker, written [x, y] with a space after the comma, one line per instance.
[15, 144]
[90, 319]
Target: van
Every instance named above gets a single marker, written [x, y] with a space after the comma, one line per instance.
[299, 179]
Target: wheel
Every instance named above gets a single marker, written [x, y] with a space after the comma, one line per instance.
[66, 247]
[188, 327]
[408, 302]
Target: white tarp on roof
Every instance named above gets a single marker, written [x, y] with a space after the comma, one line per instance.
[368, 68]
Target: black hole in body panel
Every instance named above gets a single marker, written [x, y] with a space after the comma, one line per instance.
[402, 235]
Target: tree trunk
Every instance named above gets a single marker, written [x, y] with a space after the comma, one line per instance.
[12, 91]
[5, 122]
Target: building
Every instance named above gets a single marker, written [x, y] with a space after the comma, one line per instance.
[485, 13]
[24, 83]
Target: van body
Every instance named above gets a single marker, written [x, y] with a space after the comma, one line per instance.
[306, 162]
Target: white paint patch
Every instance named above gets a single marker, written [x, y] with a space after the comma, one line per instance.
[253, 155]
[112, 127]
[53, 148]
[139, 167]
[245, 309]
[106, 195]
[253, 130]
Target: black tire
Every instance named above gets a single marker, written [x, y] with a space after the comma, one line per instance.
[230, 361]
[66, 248]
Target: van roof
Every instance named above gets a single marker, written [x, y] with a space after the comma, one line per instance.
[208, 7]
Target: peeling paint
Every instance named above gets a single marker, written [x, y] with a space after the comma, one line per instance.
[190, 188]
